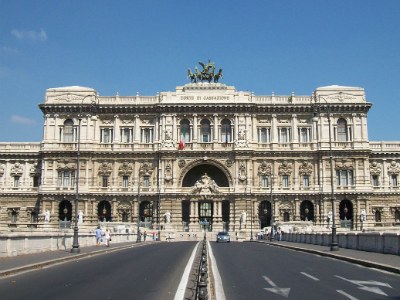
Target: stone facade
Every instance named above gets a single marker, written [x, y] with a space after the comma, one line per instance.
[203, 156]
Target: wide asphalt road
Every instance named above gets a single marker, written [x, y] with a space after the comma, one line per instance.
[258, 271]
[148, 272]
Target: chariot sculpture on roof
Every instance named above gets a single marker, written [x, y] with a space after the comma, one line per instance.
[207, 74]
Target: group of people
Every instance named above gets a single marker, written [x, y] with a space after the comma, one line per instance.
[277, 233]
[103, 236]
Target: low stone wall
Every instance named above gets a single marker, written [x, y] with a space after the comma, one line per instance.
[380, 242]
[12, 244]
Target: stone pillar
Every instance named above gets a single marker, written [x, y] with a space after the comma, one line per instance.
[137, 129]
[215, 128]
[194, 128]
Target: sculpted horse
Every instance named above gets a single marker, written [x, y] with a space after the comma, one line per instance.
[192, 76]
[218, 76]
[199, 75]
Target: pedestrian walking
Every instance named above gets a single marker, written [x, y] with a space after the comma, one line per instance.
[98, 236]
[107, 237]
[145, 235]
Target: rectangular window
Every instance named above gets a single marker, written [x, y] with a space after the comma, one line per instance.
[105, 181]
[36, 181]
[106, 135]
[66, 178]
[147, 135]
[306, 180]
[375, 180]
[125, 181]
[285, 180]
[17, 181]
[304, 135]
[394, 180]
[264, 181]
[205, 137]
[284, 135]
[146, 181]
[264, 135]
[126, 135]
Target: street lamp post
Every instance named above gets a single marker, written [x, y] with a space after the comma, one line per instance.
[334, 242]
[271, 235]
[251, 222]
[93, 106]
[138, 238]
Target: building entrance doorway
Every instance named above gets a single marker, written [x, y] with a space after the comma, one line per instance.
[206, 215]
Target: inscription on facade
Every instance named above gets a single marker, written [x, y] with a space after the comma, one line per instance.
[206, 97]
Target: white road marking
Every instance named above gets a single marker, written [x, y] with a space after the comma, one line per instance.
[365, 285]
[309, 276]
[275, 289]
[180, 292]
[219, 289]
[346, 295]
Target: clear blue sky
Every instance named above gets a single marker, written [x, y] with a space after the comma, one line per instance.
[263, 46]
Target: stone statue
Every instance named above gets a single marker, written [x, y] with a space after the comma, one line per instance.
[47, 216]
[363, 216]
[205, 185]
[207, 74]
[167, 217]
[329, 218]
[243, 219]
[80, 217]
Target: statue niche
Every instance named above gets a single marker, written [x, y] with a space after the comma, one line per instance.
[205, 185]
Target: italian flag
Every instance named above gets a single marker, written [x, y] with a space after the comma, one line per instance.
[181, 142]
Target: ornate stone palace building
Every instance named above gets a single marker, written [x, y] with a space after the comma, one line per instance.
[202, 155]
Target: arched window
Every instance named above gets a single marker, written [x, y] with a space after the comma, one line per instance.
[342, 130]
[68, 132]
[286, 217]
[205, 131]
[226, 131]
[397, 216]
[185, 131]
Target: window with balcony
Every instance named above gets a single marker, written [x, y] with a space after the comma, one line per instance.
[284, 135]
[126, 135]
[106, 135]
[264, 135]
[146, 136]
[205, 131]
[68, 131]
[185, 131]
[343, 132]
[304, 135]
[226, 131]
[66, 178]
[344, 177]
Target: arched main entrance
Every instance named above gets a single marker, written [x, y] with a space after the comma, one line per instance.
[104, 211]
[346, 213]
[264, 214]
[65, 211]
[307, 211]
[204, 204]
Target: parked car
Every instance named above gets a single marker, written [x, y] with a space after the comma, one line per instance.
[223, 236]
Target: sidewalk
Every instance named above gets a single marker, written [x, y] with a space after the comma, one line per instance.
[26, 262]
[386, 262]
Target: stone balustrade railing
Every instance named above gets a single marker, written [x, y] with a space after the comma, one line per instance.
[380, 242]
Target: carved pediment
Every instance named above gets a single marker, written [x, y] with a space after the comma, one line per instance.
[205, 185]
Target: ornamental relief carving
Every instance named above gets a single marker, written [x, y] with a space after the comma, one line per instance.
[285, 168]
[375, 168]
[35, 170]
[105, 169]
[146, 169]
[344, 165]
[1, 170]
[264, 168]
[242, 171]
[17, 170]
[125, 169]
[168, 172]
[305, 168]
[394, 168]
[65, 165]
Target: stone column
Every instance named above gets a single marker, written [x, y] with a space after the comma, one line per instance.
[194, 128]
[215, 128]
